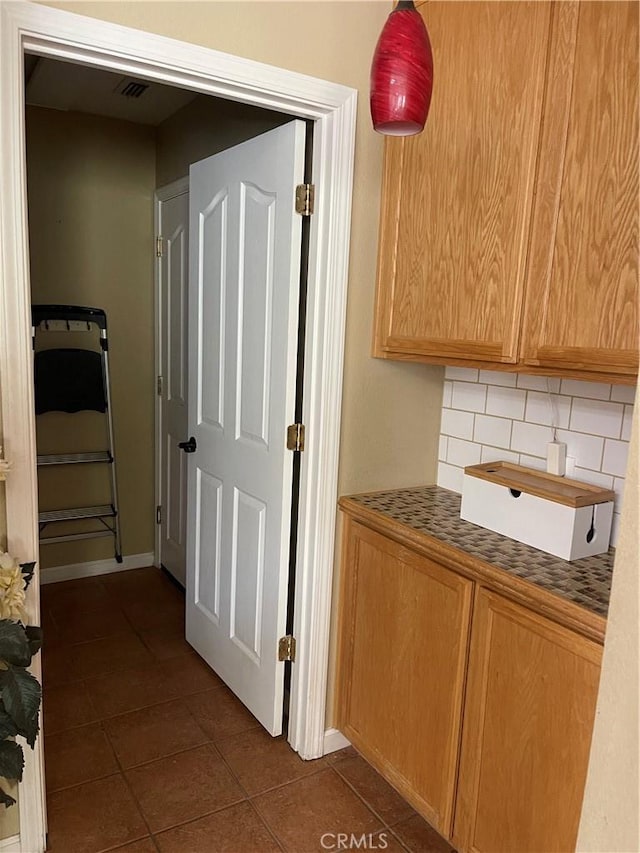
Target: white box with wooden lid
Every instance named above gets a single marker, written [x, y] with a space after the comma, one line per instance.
[563, 517]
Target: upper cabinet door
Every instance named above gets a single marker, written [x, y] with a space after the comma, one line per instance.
[582, 284]
[457, 199]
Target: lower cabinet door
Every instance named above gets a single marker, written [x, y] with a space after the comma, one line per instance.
[528, 720]
[402, 660]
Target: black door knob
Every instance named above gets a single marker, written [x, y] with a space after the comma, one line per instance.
[188, 446]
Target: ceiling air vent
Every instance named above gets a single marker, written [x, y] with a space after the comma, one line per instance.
[130, 88]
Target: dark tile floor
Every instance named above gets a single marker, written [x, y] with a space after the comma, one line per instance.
[146, 749]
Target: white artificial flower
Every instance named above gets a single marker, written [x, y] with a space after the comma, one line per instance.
[11, 588]
[7, 561]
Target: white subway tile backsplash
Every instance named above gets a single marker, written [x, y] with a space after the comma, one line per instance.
[490, 416]
[595, 478]
[530, 438]
[466, 374]
[505, 402]
[533, 462]
[491, 430]
[468, 396]
[586, 449]
[495, 377]
[596, 417]
[591, 390]
[551, 409]
[498, 454]
[539, 383]
[614, 460]
[623, 393]
[460, 452]
[457, 423]
[627, 419]
[446, 394]
[450, 477]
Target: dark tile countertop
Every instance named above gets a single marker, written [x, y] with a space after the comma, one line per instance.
[436, 512]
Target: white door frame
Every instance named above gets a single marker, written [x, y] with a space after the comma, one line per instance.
[164, 193]
[63, 35]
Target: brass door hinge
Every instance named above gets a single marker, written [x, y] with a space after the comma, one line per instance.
[159, 386]
[158, 515]
[159, 248]
[295, 437]
[305, 197]
[287, 648]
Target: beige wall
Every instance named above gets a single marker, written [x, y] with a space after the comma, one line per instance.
[204, 127]
[610, 821]
[91, 182]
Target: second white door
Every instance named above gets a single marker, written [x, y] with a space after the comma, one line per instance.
[244, 260]
[173, 225]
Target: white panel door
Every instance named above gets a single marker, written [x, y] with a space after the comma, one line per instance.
[244, 281]
[174, 266]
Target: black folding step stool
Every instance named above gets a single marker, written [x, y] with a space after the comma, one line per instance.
[76, 380]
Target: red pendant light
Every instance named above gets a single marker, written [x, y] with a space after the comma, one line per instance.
[401, 73]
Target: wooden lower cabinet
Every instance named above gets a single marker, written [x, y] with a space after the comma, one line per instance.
[476, 709]
[404, 639]
[528, 720]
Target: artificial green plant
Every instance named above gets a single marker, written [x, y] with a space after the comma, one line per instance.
[20, 692]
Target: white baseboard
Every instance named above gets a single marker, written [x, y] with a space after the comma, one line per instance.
[333, 741]
[96, 567]
[11, 844]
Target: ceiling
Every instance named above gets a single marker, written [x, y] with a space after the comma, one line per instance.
[80, 88]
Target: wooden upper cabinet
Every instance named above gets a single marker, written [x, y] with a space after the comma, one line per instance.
[457, 198]
[582, 285]
[509, 227]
